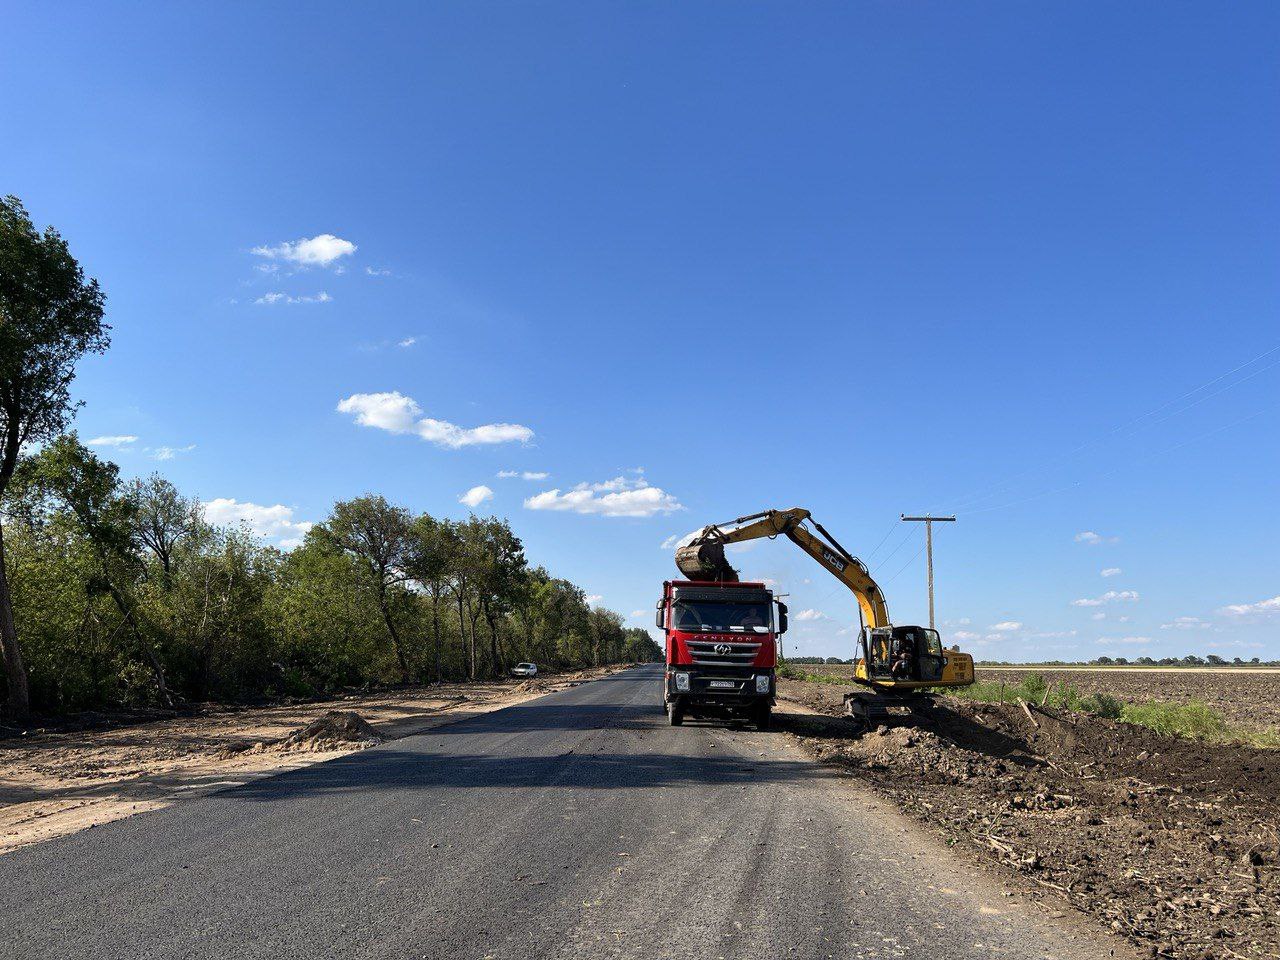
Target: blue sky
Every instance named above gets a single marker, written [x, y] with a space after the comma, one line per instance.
[705, 259]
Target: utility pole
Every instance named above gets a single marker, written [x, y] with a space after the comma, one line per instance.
[928, 522]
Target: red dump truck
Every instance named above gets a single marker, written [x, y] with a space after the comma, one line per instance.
[722, 649]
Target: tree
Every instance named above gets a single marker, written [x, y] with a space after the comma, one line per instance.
[67, 475]
[377, 535]
[499, 568]
[433, 545]
[50, 316]
[161, 518]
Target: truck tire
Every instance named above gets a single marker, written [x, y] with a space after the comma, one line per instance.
[764, 716]
[675, 713]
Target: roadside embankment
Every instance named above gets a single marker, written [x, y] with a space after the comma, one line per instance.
[59, 781]
[1167, 840]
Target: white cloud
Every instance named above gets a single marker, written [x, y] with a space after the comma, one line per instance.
[1111, 572]
[639, 614]
[476, 496]
[811, 615]
[1111, 596]
[318, 251]
[963, 635]
[407, 342]
[523, 474]
[271, 299]
[1093, 539]
[376, 272]
[274, 523]
[114, 440]
[1108, 641]
[1053, 635]
[593, 599]
[1247, 609]
[680, 540]
[168, 453]
[1098, 616]
[1007, 626]
[1185, 623]
[619, 497]
[396, 413]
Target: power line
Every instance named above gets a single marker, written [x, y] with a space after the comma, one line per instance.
[1111, 473]
[901, 543]
[905, 565]
[892, 527]
[983, 493]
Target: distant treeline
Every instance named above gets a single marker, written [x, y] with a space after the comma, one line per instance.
[1191, 660]
[123, 595]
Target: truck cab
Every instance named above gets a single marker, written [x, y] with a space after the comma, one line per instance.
[721, 649]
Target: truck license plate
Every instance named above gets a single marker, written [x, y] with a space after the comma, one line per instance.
[722, 684]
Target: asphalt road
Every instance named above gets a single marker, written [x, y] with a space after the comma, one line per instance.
[577, 825]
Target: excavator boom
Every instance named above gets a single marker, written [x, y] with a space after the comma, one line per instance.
[704, 559]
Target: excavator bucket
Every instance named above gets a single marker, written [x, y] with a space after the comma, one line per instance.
[705, 561]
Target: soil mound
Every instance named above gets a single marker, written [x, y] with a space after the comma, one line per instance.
[335, 730]
[1172, 843]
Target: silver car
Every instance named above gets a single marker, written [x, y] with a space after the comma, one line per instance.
[524, 670]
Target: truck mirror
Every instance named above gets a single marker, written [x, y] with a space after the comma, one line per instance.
[782, 617]
[657, 618]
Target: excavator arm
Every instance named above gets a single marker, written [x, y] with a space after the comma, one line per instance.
[703, 558]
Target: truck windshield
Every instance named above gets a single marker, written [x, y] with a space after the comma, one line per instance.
[720, 617]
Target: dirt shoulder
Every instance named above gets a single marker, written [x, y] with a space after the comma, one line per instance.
[57, 782]
[1170, 842]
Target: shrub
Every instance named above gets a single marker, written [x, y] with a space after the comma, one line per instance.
[1033, 687]
[1102, 705]
[1193, 719]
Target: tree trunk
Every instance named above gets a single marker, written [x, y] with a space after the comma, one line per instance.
[126, 611]
[493, 642]
[462, 633]
[395, 639]
[473, 615]
[435, 628]
[18, 705]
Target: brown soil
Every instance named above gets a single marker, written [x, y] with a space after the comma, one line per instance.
[1170, 842]
[335, 730]
[90, 770]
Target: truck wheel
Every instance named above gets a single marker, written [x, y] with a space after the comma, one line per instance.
[675, 713]
[764, 717]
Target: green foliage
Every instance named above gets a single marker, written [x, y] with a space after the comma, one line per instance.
[1034, 687]
[1102, 705]
[788, 671]
[1193, 719]
[125, 596]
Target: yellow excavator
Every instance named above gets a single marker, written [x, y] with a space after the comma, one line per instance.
[896, 663]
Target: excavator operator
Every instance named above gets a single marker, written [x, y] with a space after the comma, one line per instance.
[904, 658]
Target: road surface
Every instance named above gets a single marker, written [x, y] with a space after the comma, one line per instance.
[578, 825]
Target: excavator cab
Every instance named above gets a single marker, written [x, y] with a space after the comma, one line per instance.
[902, 657]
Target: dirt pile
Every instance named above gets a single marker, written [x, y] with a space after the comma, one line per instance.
[335, 730]
[1170, 842]
[532, 686]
